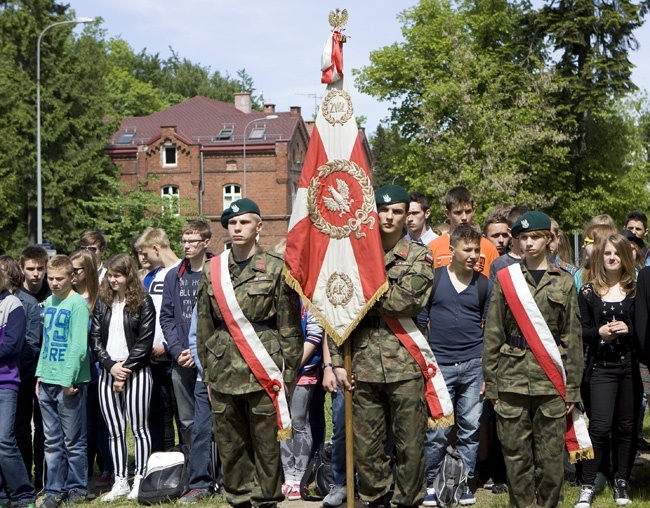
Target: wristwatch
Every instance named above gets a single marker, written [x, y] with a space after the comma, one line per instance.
[325, 365]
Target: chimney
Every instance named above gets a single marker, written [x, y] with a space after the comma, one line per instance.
[295, 110]
[269, 109]
[243, 102]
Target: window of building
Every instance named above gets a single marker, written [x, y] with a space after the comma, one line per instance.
[257, 132]
[172, 195]
[169, 156]
[231, 192]
[126, 138]
[225, 134]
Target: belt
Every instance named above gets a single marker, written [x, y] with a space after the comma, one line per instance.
[517, 341]
[373, 322]
[259, 326]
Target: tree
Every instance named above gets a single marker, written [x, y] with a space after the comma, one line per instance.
[472, 101]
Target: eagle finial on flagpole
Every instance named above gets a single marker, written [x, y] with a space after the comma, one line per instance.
[338, 19]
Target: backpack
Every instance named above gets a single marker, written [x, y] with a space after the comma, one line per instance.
[166, 478]
[452, 473]
[318, 475]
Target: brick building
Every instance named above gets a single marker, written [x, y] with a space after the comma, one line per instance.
[203, 154]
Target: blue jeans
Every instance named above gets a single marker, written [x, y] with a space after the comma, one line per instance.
[13, 474]
[464, 381]
[64, 427]
[201, 454]
[338, 437]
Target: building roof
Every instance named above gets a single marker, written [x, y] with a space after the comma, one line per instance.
[201, 120]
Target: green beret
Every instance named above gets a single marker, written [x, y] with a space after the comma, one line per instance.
[389, 194]
[531, 221]
[239, 207]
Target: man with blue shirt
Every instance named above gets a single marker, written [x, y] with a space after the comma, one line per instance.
[454, 316]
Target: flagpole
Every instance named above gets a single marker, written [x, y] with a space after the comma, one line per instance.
[349, 430]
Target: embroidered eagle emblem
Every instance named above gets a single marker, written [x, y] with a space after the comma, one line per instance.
[340, 200]
[235, 208]
[386, 198]
[524, 224]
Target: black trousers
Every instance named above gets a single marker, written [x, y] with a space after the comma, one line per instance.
[615, 399]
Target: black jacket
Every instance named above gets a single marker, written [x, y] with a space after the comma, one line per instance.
[139, 328]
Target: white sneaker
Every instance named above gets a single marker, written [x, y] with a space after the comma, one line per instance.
[135, 490]
[120, 489]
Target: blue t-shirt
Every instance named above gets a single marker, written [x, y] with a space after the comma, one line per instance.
[456, 320]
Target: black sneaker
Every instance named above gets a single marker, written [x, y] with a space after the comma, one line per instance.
[586, 497]
[51, 502]
[621, 495]
[643, 446]
[499, 488]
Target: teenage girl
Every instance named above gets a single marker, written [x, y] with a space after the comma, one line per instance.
[123, 326]
[612, 372]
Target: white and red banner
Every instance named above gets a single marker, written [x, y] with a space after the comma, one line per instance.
[248, 343]
[542, 343]
[334, 258]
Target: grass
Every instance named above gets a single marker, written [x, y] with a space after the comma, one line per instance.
[640, 487]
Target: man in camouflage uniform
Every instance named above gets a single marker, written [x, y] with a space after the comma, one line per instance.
[389, 385]
[244, 415]
[531, 414]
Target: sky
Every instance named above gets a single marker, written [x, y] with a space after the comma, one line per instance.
[277, 42]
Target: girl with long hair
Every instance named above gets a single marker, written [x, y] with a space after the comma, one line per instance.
[85, 280]
[122, 332]
[612, 371]
[592, 235]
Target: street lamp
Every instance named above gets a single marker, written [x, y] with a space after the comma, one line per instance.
[267, 117]
[39, 191]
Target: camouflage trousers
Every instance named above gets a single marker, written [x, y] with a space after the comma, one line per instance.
[245, 429]
[376, 407]
[532, 431]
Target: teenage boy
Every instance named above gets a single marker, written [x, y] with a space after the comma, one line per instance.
[416, 220]
[62, 373]
[495, 229]
[514, 255]
[95, 243]
[180, 292]
[454, 316]
[389, 382]
[637, 222]
[460, 209]
[32, 261]
[154, 251]
[249, 338]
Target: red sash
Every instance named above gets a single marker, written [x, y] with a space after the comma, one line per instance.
[440, 405]
[534, 328]
[248, 343]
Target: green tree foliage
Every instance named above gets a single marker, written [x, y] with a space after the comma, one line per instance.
[88, 84]
[472, 101]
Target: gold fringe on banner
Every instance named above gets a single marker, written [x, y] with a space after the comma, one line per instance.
[284, 434]
[586, 454]
[442, 422]
[338, 339]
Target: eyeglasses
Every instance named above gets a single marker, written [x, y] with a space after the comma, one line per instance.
[90, 249]
[193, 243]
[77, 270]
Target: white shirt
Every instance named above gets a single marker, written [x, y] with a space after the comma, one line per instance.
[427, 237]
[116, 346]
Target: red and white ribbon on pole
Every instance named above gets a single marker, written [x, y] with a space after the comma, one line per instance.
[440, 405]
[332, 59]
[249, 344]
[542, 343]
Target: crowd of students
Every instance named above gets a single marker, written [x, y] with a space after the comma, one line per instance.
[86, 346]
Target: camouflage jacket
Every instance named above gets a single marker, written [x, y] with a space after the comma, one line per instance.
[377, 354]
[513, 369]
[269, 304]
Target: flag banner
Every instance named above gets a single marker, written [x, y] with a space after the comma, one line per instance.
[542, 344]
[334, 258]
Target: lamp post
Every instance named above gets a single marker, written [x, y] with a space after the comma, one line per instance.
[267, 117]
[39, 190]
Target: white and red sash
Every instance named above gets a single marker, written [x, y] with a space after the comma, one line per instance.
[440, 405]
[542, 343]
[249, 344]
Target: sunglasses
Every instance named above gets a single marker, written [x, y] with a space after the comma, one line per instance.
[89, 249]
